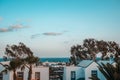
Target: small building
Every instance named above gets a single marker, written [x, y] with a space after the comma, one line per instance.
[84, 70]
[38, 73]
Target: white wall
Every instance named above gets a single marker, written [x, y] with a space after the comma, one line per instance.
[44, 72]
[83, 72]
[80, 73]
[92, 66]
[67, 72]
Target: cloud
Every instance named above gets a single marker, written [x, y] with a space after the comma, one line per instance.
[52, 34]
[34, 36]
[18, 26]
[5, 29]
[48, 34]
[13, 27]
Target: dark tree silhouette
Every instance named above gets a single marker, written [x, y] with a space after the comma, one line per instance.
[90, 48]
[21, 52]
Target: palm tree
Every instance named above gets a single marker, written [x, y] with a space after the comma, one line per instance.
[110, 72]
[13, 54]
[94, 78]
[12, 66]
[22, 52]
[29, 61]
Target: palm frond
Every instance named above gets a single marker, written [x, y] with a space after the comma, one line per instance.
[94, 78]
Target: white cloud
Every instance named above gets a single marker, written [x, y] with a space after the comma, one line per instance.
[48, 34]
[52, 34]
[5, 29]
[34, 36]
[13, 27]
[18, 26]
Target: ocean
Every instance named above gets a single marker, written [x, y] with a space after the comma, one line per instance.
[66, 59]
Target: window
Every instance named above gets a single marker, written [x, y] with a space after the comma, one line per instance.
[1, 76]
[81, 79]
[19, 75]
[73, 75]
[37, 75]
[94, 73]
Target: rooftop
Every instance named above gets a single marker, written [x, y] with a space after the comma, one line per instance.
[85, 63]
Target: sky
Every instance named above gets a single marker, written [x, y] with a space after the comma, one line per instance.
[51, 27]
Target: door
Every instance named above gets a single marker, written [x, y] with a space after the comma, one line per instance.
[37, 75]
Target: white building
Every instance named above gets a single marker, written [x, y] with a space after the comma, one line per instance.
[38, 73]
[84, 70]
[71, 72]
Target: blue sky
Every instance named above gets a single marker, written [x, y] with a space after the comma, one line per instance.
[51, 27]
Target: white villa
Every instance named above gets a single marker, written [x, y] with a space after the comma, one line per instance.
[84, 70]
[39, 73]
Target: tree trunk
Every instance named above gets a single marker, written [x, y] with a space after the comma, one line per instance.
[30, 73]
[14, 75]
